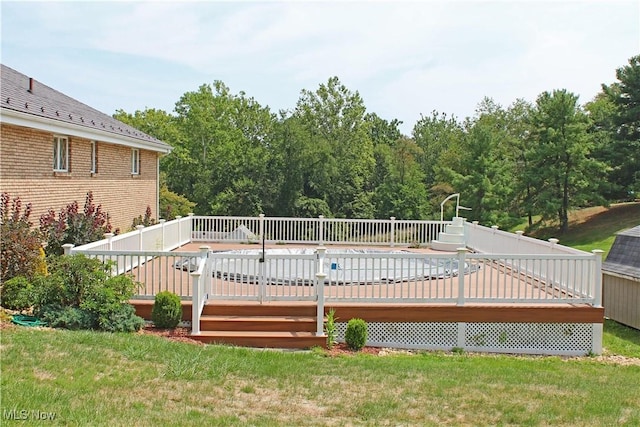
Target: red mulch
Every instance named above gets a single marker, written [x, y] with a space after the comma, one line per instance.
[341, 349]
[176, 334]
[182, 335]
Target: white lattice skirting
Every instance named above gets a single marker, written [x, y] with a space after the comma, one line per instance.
[567, 339]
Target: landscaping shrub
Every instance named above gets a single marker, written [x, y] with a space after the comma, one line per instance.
[146, 221]
[167, 310]
[356, 334]
[21, 244]
[79, 293]
[73, 226]
[17, 294]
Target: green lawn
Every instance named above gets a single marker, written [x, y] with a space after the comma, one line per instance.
[90, 378]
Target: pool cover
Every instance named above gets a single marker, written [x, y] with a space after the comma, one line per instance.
[341, 266]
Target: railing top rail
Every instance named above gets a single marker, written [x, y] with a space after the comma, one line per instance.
[141, 253]
[555, 256]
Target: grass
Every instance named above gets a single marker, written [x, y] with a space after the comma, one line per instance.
[90, 378]
[593, 228]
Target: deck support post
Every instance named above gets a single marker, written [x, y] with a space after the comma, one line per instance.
[596, 344]
[462, 333]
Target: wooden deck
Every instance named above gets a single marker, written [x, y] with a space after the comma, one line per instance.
[292, 324]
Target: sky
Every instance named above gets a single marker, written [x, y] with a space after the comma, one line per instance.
[404, 58]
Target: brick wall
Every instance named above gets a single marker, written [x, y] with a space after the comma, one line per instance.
[26, 170]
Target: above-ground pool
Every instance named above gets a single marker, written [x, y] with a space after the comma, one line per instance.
[341, 266]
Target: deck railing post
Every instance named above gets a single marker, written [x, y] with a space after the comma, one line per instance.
[494, 228]
[140, 228]
[179, 219]
[519, 233]
[393, 231]
[195, 303]
[597, 277]
[67, 247]
[197, 293]
[191, 225]
[261, 227]
[321, 229]
[461, 262]
[109, 237]
[320, 276]
[162, 238]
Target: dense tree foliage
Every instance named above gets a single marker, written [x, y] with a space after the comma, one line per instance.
[330, 156]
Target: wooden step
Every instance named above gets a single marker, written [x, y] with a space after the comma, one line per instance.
[258, 323]
[249, 308]
[262, 339]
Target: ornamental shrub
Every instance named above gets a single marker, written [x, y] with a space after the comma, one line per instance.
[20, 243]
[356, 334]
[73, 226]
[167, 310]
[146, 221]
[80, 293]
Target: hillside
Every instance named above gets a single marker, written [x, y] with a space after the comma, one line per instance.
[596, 227]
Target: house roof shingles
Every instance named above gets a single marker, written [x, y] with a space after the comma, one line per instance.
[624, 257]
[25, 95]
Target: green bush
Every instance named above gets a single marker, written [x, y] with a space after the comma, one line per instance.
[356, 334]
[73, 318]
[172, 204]
[167, 310]
[17, 294]
[80, 293]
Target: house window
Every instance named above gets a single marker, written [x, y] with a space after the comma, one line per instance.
[94, 157]
[135, 161]
[60, 154]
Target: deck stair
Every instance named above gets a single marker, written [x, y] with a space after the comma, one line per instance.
[247, 324]
[451, 238]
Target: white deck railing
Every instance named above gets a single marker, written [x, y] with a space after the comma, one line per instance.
[503, 267]
[317, 231]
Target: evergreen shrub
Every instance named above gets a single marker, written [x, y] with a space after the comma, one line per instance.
[167, 310]
[356, 334]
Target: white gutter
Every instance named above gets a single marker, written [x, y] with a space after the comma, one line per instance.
[18, 118]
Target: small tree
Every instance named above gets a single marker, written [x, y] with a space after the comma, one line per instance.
[21, 244]
[73, 226]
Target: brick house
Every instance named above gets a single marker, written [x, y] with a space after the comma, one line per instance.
[54, 149]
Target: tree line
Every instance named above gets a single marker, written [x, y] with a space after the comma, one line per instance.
[330, 156]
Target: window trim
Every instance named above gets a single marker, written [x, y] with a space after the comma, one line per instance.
[94, 157]
[135, 161]
[57, 153]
